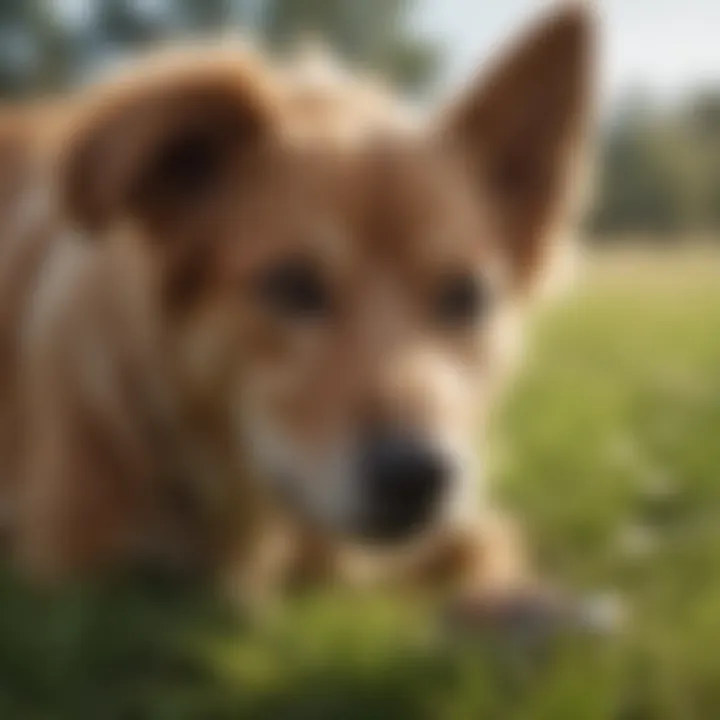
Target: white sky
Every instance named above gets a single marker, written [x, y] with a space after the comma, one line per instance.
[667, 46]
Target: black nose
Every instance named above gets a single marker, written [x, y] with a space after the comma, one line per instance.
[405, 479]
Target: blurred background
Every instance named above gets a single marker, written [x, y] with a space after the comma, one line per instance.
[608, 447]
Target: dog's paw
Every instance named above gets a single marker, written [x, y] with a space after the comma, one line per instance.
[532, 617]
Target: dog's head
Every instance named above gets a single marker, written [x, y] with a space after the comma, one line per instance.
[336, 280]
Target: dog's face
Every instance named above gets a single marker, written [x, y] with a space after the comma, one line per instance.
[336, 284]
[365, 328]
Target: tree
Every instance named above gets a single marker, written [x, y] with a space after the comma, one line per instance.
[19, 51]
[372, 32]
[660, 169]
[40, 49]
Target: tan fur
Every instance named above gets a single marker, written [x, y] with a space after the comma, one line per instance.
[142, 375]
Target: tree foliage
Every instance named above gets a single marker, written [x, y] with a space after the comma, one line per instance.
[661, 170]
[43, 45]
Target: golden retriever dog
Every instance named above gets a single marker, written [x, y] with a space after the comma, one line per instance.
[254, 316]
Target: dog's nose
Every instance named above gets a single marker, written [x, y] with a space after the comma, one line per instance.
[405, 480]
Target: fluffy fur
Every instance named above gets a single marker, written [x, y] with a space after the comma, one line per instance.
[158, 405]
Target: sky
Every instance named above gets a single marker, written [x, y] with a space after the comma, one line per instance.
[668, 47]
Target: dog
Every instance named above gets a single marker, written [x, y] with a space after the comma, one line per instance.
[255, 317]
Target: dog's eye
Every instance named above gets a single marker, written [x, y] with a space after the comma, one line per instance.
[295, 289]
[460, 299]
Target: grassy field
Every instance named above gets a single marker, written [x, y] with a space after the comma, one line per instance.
[611, 452]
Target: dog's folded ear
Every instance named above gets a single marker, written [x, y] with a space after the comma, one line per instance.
[522, 133]
[162, 138]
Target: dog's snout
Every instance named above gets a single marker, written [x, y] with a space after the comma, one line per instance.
[402, 470]
[405, 480]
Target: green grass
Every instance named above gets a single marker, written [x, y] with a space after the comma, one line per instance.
[610, 451]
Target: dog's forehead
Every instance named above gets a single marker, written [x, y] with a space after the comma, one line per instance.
[401, 198]
[389, 201]
[358, 176]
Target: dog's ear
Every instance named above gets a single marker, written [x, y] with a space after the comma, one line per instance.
[160, 141]
[522, 131]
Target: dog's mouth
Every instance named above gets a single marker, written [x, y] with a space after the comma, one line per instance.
[399, 491]
[383, 526]
[371, 524]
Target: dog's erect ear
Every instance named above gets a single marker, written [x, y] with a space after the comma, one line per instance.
[160, 140]
[522, 132]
